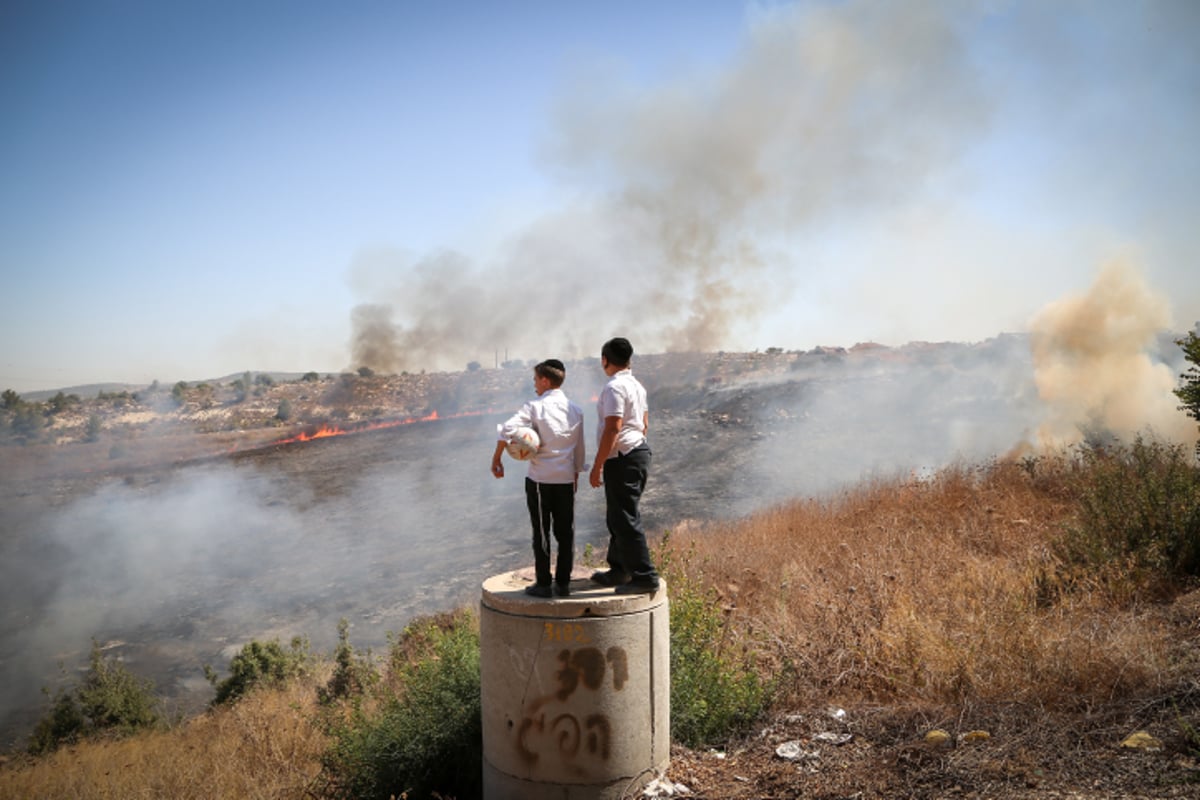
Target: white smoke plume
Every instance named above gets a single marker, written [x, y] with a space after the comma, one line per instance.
[687, 192]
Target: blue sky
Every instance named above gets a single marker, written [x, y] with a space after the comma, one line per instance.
[193, 189]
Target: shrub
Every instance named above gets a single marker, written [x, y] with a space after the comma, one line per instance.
[109, 700]
[353, 672]
[61, 402]
[284, 412]
[27, 421]
[62, 724]
[91, 431]
[259, 664]
[716, 693]
[424, 733]
[1188, 391]
[1139, 511]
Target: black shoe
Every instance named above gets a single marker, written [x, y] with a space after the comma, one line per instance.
[538, 590]
[637, 588]
[562, 590]
[610, 578]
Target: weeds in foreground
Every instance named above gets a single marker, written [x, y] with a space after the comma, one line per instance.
[947, 590]
[1138, 524]
[354, 673]
[109, 701]
[264, 745]
[716, 690]
[259, 664]
[421, 731]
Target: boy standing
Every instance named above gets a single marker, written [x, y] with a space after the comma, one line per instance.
[622, 465]
[553, 474]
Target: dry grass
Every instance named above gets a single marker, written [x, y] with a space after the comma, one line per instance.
[264, 746]
[936, 591]
[934, 598]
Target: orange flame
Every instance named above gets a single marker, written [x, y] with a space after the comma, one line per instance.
[326, 430]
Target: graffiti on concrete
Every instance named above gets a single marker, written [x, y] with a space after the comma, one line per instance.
[543, 733]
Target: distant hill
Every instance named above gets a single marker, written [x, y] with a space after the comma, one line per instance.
[84, 392]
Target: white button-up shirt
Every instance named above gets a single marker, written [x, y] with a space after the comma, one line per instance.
[559, 424]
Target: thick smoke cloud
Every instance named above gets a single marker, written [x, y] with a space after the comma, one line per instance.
[687, 192]
[1097, 363]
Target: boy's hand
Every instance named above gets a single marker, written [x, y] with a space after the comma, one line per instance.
[595, 478]
[498, 469]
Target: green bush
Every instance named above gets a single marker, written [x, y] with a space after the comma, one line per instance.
[424, 734]
[110, 700]
[353, 673]
[91, 430]
[1139, 511]
[716, 692]
[259, 664]
[1188, 391]
[27, 421]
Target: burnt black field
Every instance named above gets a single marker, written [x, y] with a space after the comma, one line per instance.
[176, 568]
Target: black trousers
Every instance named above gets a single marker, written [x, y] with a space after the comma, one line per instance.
[624, 481]
[552, 507]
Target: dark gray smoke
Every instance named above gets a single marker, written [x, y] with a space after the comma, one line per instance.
[687, 193]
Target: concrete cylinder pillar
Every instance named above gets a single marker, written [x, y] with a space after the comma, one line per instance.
[575, 691]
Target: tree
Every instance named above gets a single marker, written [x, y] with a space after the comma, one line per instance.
[311, 377]
[28, 421]
[93, 428]
[284, 412]
[366, 372]
[1189, 390]
[10, 399]
[61, 402]
[110, 699]
[241, 387]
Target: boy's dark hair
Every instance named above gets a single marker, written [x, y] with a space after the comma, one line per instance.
[618, 351]
[552, 370]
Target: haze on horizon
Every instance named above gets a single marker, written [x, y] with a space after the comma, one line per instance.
[197, 189]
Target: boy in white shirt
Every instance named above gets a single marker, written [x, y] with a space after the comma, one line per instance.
[622, 465]
[553, 474]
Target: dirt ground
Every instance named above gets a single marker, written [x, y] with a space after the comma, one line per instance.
[882, 753]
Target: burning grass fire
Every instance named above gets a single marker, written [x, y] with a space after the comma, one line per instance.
[325, 430]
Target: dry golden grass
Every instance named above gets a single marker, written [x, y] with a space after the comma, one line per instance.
[264, 746]
[934, 591]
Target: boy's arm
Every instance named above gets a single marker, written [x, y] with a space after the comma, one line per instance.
[580, 453]
[608, 440]
[522, 419]
[497, 465]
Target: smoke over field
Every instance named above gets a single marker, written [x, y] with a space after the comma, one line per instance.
[176, 566]
[687, 192]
